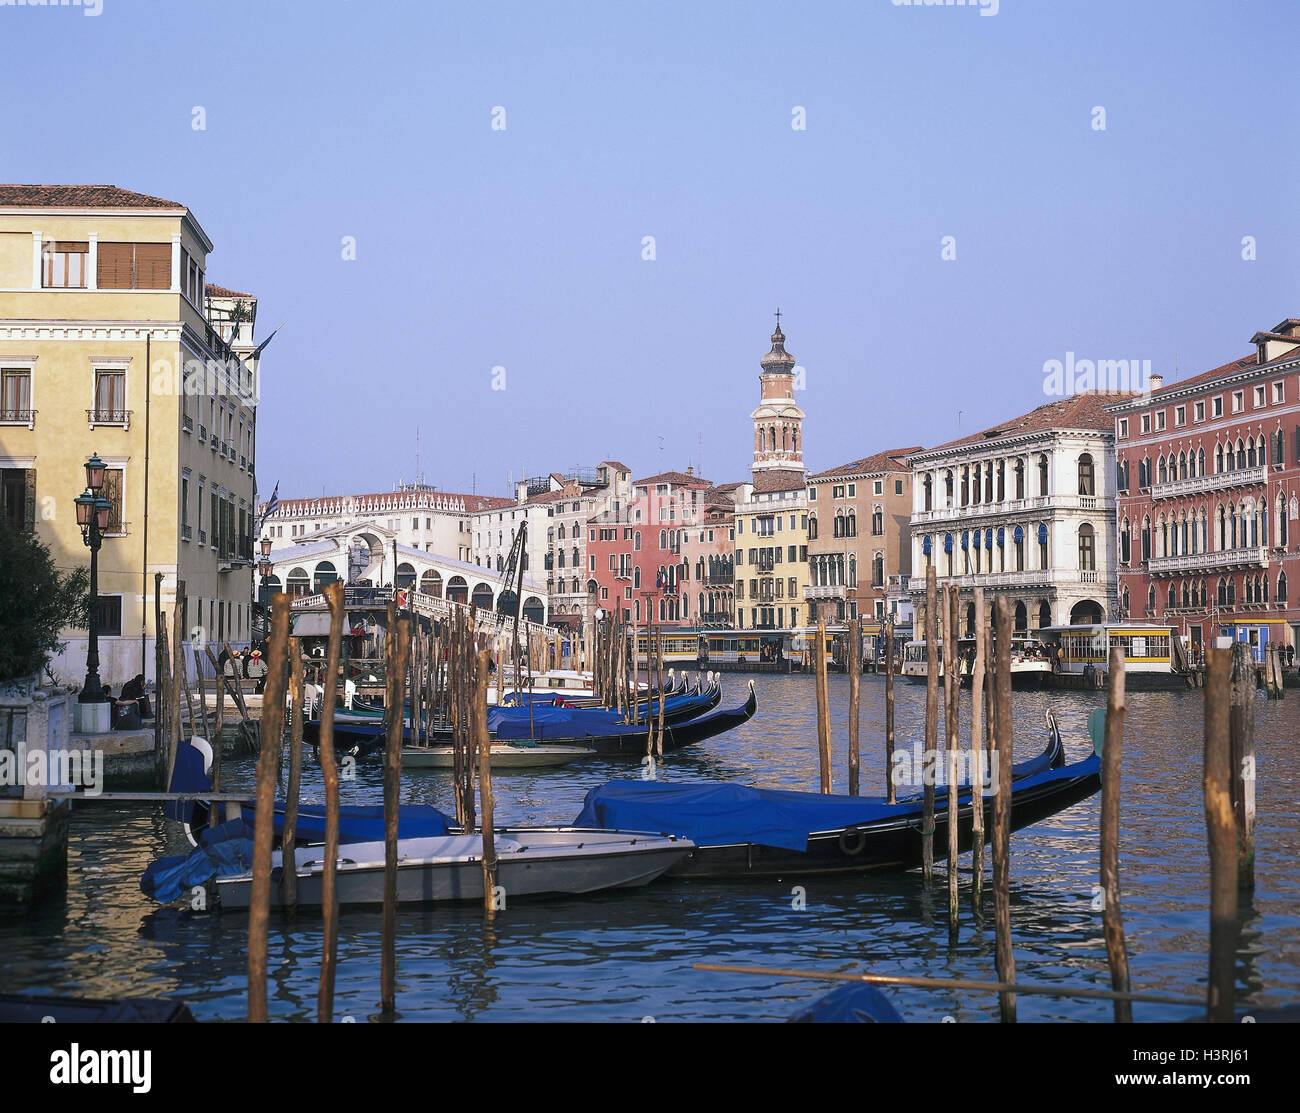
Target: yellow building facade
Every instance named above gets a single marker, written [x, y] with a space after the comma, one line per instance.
[112, 343]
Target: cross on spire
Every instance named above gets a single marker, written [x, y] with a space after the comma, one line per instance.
[778, 316]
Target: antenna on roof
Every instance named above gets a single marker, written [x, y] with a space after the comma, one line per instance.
[418, 477]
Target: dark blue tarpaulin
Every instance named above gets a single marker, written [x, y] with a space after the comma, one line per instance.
[721, 814]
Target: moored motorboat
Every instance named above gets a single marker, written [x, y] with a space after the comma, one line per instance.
[504, 755]
[530, 862]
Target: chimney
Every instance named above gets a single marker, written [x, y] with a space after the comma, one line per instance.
[1154, 383]
[690, 470]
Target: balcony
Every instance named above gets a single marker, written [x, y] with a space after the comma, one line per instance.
[1045, 578]
[187, 423]
[18, 417]
[1253, 557]
[109, 417]
[826, 591]
[185, 533]
[1009, 507]
[203, 433]
[1219, 481]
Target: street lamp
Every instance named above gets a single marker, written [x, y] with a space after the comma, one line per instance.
[264, 569]
[92, 516]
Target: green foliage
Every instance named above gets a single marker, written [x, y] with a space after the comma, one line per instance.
[35, 603]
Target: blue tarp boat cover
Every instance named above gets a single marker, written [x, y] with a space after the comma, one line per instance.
[365, 823]
[723, 814]
[222, 852]
[854, 1003]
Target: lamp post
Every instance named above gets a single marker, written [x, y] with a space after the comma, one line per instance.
[92, 517]
[264, 570]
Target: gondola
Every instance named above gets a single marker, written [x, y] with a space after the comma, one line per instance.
[747, 832]
[553, 724]
[610, 737]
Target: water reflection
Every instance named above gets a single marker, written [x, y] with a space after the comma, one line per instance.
[626, 956]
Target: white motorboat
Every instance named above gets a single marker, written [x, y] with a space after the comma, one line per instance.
[530, 862]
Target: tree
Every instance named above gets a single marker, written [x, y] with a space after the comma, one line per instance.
[36, 603]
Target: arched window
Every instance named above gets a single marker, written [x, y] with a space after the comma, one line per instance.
[851, 524]
[1020, 478]
[663, 539]
[947, 488]
[1162, 472]
[636, 541]
[878, 570]
[1042, 475]
[1218, 458]
[927, 483]
[1241, 454]
[1125, 543]
[1087, 553]
[1146, 538]
[1200, 461]
[1182, 465]
[1250, 452]
[326, 574]
[1087, 477]
[1281, 587]
[297, 582]
[812, 520]
[877, 522]
[1151, 598]
[1123, 600]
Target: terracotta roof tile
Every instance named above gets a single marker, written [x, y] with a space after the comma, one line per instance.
[766, 482]
[221, 292]
[79, 197]
[893, 459]
[676, 478]
[1077, 411]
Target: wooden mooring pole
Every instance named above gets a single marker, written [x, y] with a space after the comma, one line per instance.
[289, 867]
[483, 743]
[977, 752]
[1002, 756]
[397, 651]
[823, 708]
[931, 722]
[854, 662]
[952, 693]
[1241, 725]
[889, 711]
[1111, 919]
[330, 774]
[259, 907]
[1221, 829]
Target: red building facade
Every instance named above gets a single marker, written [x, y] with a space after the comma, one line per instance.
[1209, 499]
[637, 558]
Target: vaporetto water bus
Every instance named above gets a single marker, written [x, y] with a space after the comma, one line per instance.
[1153, 655]
[1031, 661]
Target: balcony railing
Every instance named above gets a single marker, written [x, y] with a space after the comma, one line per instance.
[187, 423]
[826, 591]
[1219, 481]
[18, 417]
[109, 417]
[185, 532]
[1252, 557]
[1009, 507]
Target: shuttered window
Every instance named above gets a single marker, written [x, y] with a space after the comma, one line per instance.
[112, 491]
[134, 266]
[18, 498]
[63, 263]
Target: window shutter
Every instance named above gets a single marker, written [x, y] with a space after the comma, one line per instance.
[113, 492]
[29, 501]
[114, 266]
[153, 266]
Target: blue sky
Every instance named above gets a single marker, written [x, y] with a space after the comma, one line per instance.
[522, 248]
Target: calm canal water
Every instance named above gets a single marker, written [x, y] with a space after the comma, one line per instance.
[628, 956]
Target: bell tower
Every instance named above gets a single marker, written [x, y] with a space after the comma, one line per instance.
[778, 420]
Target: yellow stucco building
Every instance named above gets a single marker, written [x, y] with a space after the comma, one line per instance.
[112, 343]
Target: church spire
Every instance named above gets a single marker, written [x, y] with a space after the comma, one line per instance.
[778, 420]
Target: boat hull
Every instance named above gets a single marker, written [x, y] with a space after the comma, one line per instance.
[893, 846]
[503, 756]
[530, 862]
